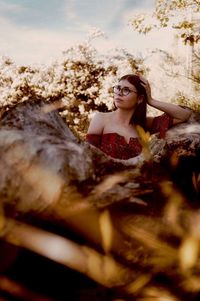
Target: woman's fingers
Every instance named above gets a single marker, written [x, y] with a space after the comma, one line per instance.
[147, 87]
[143, 80]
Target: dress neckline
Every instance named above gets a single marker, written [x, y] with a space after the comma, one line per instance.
[121, 136]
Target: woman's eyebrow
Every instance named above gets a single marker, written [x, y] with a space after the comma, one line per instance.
[123, 86]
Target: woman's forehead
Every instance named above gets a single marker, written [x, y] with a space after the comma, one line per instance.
[125, 83]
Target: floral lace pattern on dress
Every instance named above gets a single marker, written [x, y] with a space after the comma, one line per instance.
[115, 145]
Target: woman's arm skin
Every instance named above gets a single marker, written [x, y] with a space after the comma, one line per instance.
[178, 113]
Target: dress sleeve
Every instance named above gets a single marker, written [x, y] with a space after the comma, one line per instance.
[94, 139]
[161, 124]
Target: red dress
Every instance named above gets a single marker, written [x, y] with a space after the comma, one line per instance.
[116, 146]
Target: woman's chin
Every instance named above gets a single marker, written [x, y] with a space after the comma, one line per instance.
[118, 102]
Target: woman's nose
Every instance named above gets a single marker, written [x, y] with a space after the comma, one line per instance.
[119, 92]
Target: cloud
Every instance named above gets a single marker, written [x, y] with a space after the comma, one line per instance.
[86, 14]
[126, 37]
[75, 21]
[70, 10]
[32, 44]
[162, 38]
[113, 20]
[29, 45]
[6, 7]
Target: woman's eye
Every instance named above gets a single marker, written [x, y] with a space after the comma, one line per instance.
[126, 90]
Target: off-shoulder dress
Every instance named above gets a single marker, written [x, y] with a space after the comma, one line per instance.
[116, 146]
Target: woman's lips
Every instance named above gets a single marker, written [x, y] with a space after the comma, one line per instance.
[118, 99]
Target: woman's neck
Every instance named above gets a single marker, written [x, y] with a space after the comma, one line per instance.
[124, 116]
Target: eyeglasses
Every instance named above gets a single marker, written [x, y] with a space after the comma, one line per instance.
[124, 91]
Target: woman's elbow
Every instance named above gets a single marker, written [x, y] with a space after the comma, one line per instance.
[187, 115]
[183, 117]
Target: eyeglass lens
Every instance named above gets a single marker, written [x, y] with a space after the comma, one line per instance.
[124, 91]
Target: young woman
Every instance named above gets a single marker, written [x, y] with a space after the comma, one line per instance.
[115, 132]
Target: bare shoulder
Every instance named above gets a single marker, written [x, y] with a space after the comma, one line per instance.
[97, 123]
[100, 117]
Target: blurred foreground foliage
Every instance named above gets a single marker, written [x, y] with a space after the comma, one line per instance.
[72, 217]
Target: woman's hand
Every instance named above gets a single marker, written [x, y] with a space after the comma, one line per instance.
[146, 85]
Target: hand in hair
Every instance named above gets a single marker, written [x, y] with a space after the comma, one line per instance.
[146, 85]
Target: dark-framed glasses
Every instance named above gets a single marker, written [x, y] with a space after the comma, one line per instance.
[122, 90]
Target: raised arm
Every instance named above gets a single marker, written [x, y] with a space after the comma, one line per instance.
[178, 113]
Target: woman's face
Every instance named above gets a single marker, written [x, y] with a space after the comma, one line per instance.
[125, 95]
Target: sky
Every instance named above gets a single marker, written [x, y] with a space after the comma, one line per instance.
[37, 31]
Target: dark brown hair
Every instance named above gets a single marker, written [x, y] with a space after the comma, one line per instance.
[139, 116]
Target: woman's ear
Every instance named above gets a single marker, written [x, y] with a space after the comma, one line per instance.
[140, 99]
